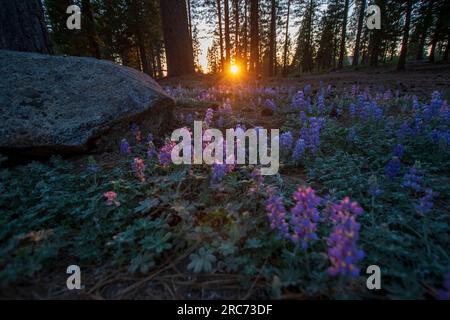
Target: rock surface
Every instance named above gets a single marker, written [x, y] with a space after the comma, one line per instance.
[56, 104]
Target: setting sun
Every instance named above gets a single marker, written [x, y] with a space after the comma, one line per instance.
[234, 69]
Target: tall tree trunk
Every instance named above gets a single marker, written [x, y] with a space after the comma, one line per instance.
[273, 39]
[445, 57]
[436, 35]
[236, 31]
[227, 32]
[140, 37]
[189, 18]
[343, 36]
[362, 10]
[245, 41]
[402, 59]
[219, 14]
[286, 39]
[158, 61]
[91, 31]
[22, 27]
[424, 33]
[179, 52]
[254, 36]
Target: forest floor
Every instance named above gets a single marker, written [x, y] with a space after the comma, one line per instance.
[223, 211]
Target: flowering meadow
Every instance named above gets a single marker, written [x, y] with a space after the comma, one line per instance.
[363, 180]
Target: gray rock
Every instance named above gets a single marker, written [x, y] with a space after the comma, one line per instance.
[56, 104]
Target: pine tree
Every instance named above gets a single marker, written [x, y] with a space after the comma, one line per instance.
[179, 52]
[402, 59]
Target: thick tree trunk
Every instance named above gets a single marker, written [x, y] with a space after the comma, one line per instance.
[245, 35]
[343, 35]
[22, 27]
[227, 32]
[286, 39]
[402, 59]
[362, 10]
[445, 57]
[219, 14]
[91, 31]
[179, 52]
[424, 34]
[189, 18]
[254, 36]
[236, 30]
[273, 39]
[140, 38]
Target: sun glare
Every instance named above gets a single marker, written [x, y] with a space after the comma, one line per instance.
[234, 69]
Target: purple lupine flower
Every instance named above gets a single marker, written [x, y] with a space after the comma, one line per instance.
[436, 103]
[164, 154]
[426, 202]
[354, 90]
[209, 117]
[352, 110]
[269, 103]
[92, 166]
[387, 95]
[150, 138]
[351, 134]
[303, 118]
[398, 151]
[151, 151]
[440, 138]
[413, 179]
[392, 168]
[404, 131]
[444, 294]
[311, 134]
[286, 142]
[258, 179]
[218, 171]
[339, 109]
[321, 104]
[298, 100]
[124, 147]
[305, 216]
[374, 189]
[307, 89]
[189, 118]
[415, 104]
[277, 215]
[342, 250]
[299, 149]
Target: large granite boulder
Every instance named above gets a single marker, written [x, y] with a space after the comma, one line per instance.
[56, 104]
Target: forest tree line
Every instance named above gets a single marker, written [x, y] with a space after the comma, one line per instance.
[265, 37]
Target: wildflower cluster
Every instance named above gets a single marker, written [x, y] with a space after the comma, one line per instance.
[392, 169]
[164, 154]
[413, 179]
[342, 251]
[111, 198]
[125, 147]
[305, 216]
[209, 117]
[138, 167]
[286, 142]
[277, 215]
